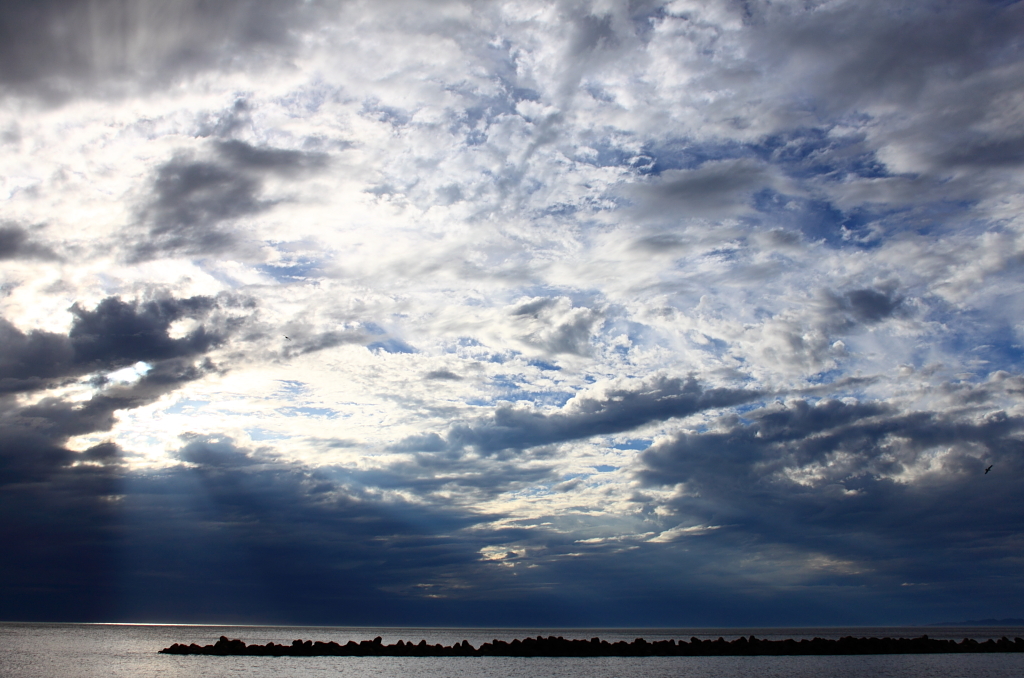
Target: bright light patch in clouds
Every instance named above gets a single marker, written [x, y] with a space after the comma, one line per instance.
[651, 299]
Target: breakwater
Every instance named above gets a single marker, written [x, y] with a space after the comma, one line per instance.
[553, 646]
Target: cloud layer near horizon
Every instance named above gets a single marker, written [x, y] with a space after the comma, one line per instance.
[580, 313]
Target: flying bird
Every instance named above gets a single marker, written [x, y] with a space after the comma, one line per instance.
[988, 469]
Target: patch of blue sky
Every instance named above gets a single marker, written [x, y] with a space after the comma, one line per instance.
[396, 117]
[744, 409]
[535, 491]
[301, 269]
[308, 412]
[472, 122]
[644, 18]
[257, 433]
[291, 388]
[475, 137]
[524, 94]
[606, 153]
[507, 381]
[723, 254]
[549, 398]
[984, 347]
[607, 468]
[391, 346]
[747, 407]
[817, 220]
[544, 366]
[827, 376]
[598, 92]
[800, 153]
[508, 388]
[187, 406]
[560, 209]
[617, 323]
[305, 100]
[684, 154]
[631, 444]
[811, 152]
[588, 298]
[708, 344]
[939, 217]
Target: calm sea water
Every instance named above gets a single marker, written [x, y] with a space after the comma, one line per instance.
[130, 651]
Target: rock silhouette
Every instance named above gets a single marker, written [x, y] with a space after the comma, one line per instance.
[595, 647]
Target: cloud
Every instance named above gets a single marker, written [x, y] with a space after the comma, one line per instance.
[445, 375]
[58, 49]
[373, 295]
[15, 243]
[612, 411]
[716, 189]
[866, 483]
[115, 334]
[869, 306]
[251, 518]
[554, 325]
[949, 64]
[194, 201]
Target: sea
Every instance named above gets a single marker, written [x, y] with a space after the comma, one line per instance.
[33, 650]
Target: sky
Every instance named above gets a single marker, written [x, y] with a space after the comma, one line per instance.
[512, 313]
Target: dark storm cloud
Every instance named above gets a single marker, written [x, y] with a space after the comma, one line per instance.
[871, 306]
[234, 535]
[874, 439]
[113, 335]
[826, 481]
[16, 243]
[63, 547]
[984, 152]
[118, 332]
[948, 63]
[58, 419]
[618, 410]
[867, 306]
[61, 48]
[898, 47]
[431, 476]
[194, 200]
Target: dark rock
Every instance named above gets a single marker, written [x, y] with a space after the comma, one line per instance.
[595, 647]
